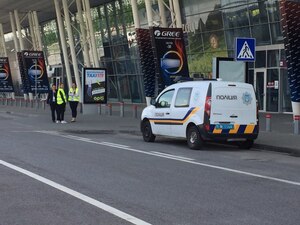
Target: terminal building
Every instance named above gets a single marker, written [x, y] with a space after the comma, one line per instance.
[102, 33]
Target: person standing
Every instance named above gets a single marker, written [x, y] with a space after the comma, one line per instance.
[61, 101]
[51, 100]
[73, 101]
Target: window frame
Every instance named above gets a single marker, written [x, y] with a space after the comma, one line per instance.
[157, 105]
[189, 97]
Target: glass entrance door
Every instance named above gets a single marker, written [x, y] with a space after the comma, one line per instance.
[260, 84]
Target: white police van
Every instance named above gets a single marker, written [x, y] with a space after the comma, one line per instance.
[201, 111]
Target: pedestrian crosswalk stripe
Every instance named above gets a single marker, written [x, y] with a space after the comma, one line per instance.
[245, 52]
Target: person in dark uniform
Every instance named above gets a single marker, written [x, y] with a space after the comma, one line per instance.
[51, 100]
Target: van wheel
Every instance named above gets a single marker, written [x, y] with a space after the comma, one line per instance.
[246, 144]
[194, 139]
[148, 136]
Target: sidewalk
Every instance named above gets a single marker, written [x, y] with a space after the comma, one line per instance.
[281, 137]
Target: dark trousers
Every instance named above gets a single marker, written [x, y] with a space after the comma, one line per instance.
[73, 106]
[60, 110]
[53, 110]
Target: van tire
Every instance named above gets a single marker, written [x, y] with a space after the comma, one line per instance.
[148, 136]
[193, 137]
[246, 144]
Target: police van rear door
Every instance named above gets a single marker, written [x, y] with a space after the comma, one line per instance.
[232, 104]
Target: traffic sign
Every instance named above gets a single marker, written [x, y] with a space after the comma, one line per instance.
[245, 49]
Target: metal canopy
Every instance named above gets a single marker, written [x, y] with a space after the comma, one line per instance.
[44, 8]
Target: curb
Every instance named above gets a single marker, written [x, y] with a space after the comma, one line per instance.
[131, 132]
[290, 151]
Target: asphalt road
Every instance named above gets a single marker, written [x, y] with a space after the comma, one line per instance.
[50, 177]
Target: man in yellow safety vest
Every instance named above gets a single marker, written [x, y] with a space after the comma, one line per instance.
[73, 100]
[61, 101]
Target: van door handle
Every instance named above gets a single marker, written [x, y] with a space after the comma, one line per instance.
[167, 113]
[233, 116]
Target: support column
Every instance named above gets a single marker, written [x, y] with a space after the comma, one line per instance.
[162, 13]
[172, 13]
[72, 46]
[91, 33]
[19, 30]
[83, 38]
[37, 31]
[31, 29]
[4, 52]
[135, 13]
[13, 28]
[177, 13]
[148, 4]
[63, 42]
[21, 47]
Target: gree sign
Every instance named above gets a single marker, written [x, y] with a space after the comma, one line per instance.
[174, 34]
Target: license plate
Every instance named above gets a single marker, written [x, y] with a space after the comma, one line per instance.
[224, 126]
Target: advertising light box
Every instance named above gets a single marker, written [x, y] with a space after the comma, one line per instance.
[94, 86]
[6, 84]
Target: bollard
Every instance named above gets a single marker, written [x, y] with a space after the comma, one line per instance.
[109, 109]
[99, 109]
[81, 107]
[134, 111]
[121, 109]
[296, 124]
[268, 122]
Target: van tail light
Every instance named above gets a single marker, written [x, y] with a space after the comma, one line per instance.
[208, 105]
[207, 127]
[257, 110]
[257, 116]
[207, 110]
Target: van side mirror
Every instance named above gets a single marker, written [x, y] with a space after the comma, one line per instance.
[153, 101]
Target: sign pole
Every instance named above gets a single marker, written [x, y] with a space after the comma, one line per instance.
[36, 99]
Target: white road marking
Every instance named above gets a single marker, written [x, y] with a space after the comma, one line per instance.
[78, 195]
[77, 138]
[173, 156]
[47, 132]
[194, 163]
[114, 144]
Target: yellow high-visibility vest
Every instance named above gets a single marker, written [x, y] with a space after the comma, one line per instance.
[60, 96]
[73, 95]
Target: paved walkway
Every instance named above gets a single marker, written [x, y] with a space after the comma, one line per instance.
[281, 137]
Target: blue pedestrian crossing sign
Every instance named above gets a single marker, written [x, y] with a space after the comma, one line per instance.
[245, 49]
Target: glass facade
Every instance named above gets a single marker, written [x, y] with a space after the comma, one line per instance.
[118, 52]
[210, 27]
[51, 43]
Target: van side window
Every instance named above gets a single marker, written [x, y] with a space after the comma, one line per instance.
[183, 97]
[165, 99]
